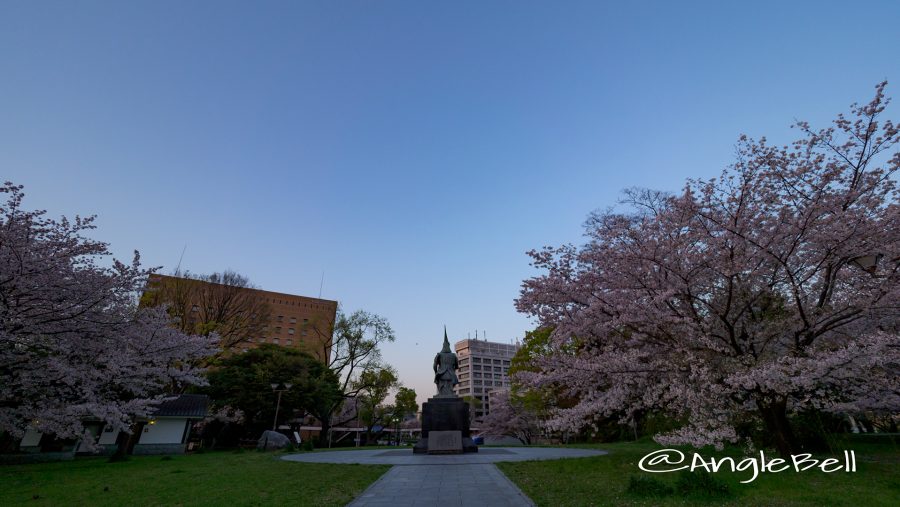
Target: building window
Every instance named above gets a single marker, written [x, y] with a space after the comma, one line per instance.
[290, 342]
[280, 318]
[293, 320]
[291, 330]
[303, 332]
[277, 329]
[275, 341]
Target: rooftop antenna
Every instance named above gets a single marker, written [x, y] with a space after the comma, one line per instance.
[321, 283]
[178, 268]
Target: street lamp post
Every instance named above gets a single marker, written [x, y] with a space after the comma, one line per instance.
[287, 387]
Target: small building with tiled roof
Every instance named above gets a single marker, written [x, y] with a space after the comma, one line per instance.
[168, 429]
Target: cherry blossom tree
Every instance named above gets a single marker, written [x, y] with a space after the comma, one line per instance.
[770, 289]
[73, 344]
[511, 416]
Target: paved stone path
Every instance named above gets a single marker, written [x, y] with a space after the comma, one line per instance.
[444, 485]
[451, 480]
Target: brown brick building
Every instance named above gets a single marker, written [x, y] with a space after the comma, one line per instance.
[246, 317]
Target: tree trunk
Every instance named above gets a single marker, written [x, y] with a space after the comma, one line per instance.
[8, 444]
[774, 414]
[323, 434]
[125, 442]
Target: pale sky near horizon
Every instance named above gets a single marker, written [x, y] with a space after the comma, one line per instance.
[410, 151]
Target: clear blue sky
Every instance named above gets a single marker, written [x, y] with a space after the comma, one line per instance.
[411, 151]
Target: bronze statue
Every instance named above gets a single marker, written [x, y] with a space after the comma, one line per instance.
[445, 416]
[445, 364]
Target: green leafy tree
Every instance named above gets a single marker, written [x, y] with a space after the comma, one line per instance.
[353, 348]
[536, 346]
[244, 381]
[405, 402]
[374, 386]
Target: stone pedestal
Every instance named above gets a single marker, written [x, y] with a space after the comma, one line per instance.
[445, 414]
[445, 442]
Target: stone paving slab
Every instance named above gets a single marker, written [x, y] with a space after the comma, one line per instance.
[458, 480]
[485, 455]
[443, 485]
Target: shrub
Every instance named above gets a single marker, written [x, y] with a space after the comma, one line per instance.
[701, 484]
[308, 445]
[643, 485]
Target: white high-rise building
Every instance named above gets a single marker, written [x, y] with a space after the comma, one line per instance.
[483, 367]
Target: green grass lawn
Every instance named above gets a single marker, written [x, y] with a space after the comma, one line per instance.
[603, 480]
[215, 478]
[254, 478]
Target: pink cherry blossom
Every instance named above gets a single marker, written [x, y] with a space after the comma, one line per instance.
[74, 346]
[769, 289]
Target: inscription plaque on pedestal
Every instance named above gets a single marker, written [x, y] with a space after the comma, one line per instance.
[445, 442]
